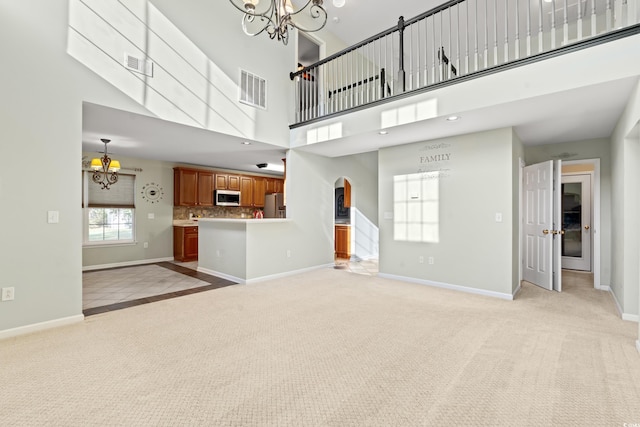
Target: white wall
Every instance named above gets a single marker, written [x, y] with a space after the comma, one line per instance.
[626, 208]
[580, 150]
[43, 88]
[478, 183]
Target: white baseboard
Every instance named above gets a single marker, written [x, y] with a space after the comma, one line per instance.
[623, 315]
[287, 273]
[466, 289]
[515, 292]
[262, 278]
[615, 300]
[42, 326]
[638, 345]
[126, 264]
[605, 288]
[221, 275]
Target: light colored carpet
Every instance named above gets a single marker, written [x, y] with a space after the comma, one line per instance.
[332, 348]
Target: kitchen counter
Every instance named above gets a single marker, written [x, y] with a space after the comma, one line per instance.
[245, 220]
[185, 223]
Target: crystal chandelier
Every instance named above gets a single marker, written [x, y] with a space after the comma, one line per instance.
[105, 170]
[276, 17]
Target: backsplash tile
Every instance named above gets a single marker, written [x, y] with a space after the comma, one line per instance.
[182, 212]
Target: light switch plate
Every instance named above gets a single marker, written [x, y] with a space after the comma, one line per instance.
[498, 216]
[151, 216]
[53, 217]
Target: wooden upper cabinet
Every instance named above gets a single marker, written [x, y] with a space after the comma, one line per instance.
[185, 187]
[279, 184]
[233, 183]
[269, 185]
[259, 190]
[205, 188]
[347, 194]
[246, 191]
[192, 187]
[221, 181]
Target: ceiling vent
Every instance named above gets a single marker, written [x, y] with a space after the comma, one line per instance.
[253, 90]
[139, 65]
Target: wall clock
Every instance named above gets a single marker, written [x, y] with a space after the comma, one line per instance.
[152, 192]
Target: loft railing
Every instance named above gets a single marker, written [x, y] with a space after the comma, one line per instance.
[456, 39]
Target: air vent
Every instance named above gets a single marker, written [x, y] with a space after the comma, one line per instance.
[253, 90]
[139, 65]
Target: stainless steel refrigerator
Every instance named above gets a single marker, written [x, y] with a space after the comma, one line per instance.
[274, 206]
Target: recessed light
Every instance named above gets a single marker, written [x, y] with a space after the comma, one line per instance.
[453, 118]
[383, 132]
[245, 143]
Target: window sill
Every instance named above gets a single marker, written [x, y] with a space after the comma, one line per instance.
[108, 245]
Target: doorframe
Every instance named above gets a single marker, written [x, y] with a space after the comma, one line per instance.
[595, 200]
[591, 176]
[595, 220]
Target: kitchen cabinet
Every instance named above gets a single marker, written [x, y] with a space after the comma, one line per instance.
[343, 241]
[259, 190]
[246, 191]
[185, 243]
[274, 185]
[347, 194]
[192, 187]
[227, 182]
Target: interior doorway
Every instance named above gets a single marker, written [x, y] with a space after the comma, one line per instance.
[342, 221]
[545, 249]
[576, 221]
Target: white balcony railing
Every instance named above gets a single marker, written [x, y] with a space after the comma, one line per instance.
[457, 39]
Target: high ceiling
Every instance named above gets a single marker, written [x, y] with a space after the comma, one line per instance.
[591, 112]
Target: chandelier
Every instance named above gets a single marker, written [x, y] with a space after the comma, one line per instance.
[105, 170]
[276, 17]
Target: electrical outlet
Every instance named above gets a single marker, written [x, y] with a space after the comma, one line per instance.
[218, 254]
[145, 245]
[288, 253]
[431, 260]
[8, 294]
[421, 259]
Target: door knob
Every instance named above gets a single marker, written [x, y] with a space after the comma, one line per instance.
[586, 227]
[545, 231]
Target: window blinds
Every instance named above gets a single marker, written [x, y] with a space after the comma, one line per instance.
[121, 194]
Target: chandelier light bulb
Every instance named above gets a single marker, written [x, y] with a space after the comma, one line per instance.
[338, 3]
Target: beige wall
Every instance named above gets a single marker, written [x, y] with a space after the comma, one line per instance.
[481, 181]
[626, 208]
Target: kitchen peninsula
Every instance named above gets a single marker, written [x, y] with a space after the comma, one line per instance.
[244, 250]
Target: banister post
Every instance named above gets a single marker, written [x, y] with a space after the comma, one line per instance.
[401, 73]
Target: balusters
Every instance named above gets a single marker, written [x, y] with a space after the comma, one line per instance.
[516, 52]
[553, 24]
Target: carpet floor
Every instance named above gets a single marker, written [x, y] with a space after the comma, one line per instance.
[332, 348]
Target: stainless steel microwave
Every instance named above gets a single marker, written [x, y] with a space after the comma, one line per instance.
[227, 198]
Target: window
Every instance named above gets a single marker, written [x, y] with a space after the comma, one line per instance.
[109, 214]
[416, 200]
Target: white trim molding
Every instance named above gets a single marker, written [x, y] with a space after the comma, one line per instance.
[125, 264]
[638, 345]
[42, 326]
[623, 315]
[466, 289]
[262, 278]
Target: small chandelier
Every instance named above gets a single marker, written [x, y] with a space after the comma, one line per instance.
[277, 16]
[105, 170]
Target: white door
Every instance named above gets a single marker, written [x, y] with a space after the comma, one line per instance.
[540, 266]
[576, 222]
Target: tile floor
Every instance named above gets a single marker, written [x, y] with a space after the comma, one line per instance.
[118, 288]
